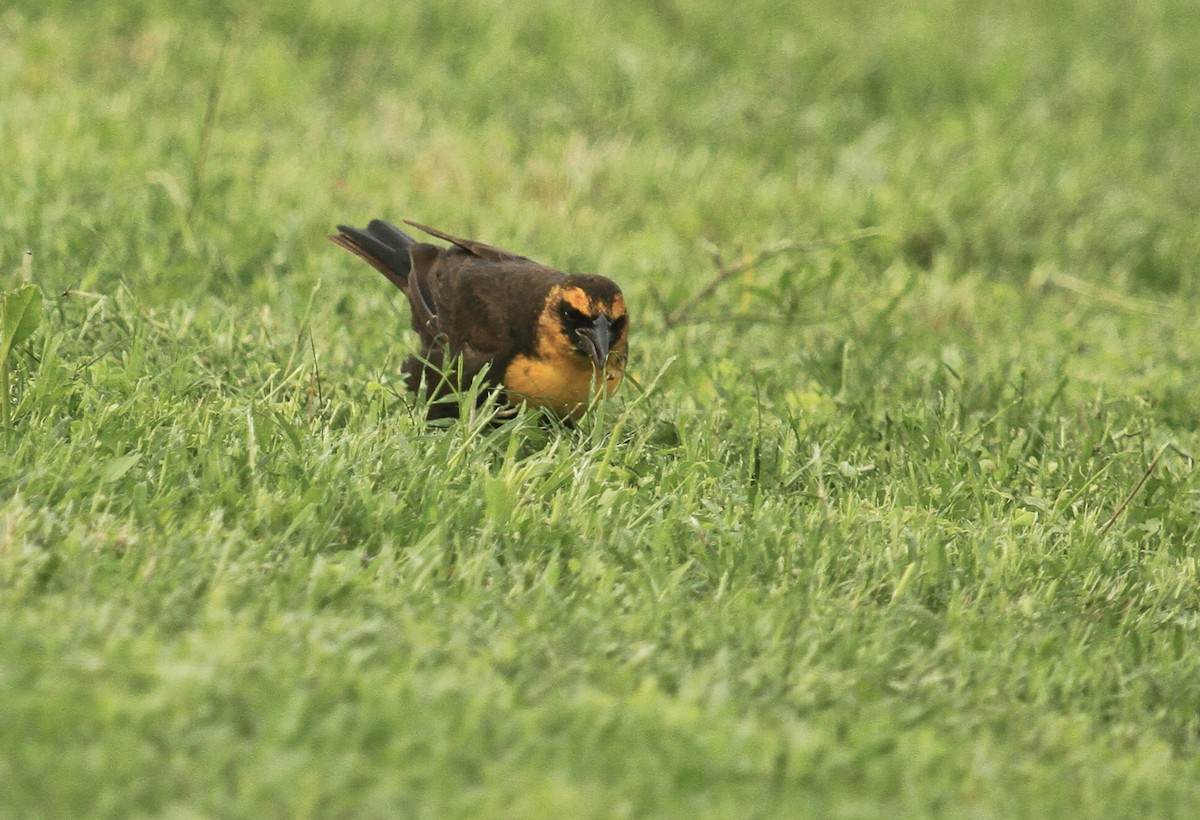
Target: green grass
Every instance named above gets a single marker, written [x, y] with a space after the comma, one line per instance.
[850, 552]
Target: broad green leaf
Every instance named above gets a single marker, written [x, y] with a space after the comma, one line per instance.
[20, 313]
[119, 466]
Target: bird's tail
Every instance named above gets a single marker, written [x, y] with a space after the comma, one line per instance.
[383, 246]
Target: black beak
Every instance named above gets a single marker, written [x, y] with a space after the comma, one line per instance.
[595, 340]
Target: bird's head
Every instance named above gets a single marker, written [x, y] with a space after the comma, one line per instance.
[589, 321]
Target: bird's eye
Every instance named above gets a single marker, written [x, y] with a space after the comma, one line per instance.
[571, 315]
[618, 324]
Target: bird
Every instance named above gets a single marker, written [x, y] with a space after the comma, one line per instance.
[536, 336]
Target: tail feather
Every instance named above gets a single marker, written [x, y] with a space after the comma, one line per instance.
[382, 245]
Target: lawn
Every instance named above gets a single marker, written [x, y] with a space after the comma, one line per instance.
[901, 517]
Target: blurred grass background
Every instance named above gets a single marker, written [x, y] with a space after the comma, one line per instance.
[983, 137]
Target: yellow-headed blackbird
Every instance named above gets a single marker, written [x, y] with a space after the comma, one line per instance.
[542, 337]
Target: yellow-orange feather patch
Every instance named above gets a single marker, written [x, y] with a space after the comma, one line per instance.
[557, 377]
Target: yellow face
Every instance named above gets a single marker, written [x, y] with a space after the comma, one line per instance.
[582, 345]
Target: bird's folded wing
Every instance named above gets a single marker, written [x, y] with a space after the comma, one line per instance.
[480, 249]
[420, 289]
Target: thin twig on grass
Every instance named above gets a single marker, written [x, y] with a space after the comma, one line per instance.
[1107, 296]
[725, 271]
[314, 385]
[1136, 487]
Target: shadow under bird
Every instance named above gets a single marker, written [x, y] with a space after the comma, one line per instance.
[541, 337]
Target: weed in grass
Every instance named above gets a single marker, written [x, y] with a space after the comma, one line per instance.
[20, 315]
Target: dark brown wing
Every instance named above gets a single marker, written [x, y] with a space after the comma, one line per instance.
[420, 290]
[484, 251]
[492, 307]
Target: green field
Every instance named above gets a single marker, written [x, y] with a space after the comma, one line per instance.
[902, 518]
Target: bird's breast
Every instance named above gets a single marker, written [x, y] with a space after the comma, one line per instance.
[564, 385]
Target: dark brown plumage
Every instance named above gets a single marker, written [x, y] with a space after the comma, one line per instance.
[543, 337]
